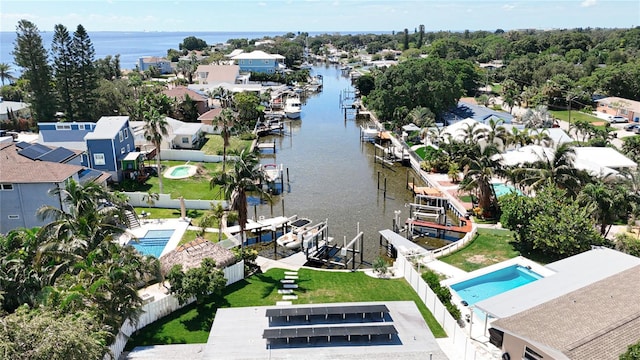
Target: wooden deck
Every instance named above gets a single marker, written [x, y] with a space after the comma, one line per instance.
[425, 190]
[464, 228]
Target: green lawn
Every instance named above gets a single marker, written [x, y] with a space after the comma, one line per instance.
[159, 213]
[192, 324]
[575, 116]
[214, 145]
[195, 187]
[489, 247]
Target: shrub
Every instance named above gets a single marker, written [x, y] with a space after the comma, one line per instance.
[433, 280]
[247, 136]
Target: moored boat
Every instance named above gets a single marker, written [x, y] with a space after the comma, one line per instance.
[293, 239]
[292, 107]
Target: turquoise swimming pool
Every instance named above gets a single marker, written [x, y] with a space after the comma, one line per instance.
[153, 242]
[503, 189]
[494, 283]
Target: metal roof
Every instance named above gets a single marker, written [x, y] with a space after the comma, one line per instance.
[107, 127]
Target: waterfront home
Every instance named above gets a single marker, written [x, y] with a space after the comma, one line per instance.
[260, 61]
[208, 117]
[69, 135]
[588, 309]
[28, 174]
[218, 74]
[160, 63]
[481, 114]
[180, 93]
[109, 142]
[615, 106]
[180, 135]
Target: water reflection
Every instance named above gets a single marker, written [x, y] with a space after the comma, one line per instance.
[332, 174]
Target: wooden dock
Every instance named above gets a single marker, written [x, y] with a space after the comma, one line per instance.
[267, 146]
[424, 190]
[464, 228]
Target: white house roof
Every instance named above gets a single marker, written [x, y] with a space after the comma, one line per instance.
[257, 55]
[605, 156]
[557, 135]
[571, 274]
[457, 130]
[595, 160]
[188, 129]
[234, 53]
[107, 127]
[5, 106]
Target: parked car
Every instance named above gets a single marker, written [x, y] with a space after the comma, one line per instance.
[632, 127]
[618, 119]
[637, 130]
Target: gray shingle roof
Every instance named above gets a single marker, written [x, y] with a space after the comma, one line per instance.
[598, 321]
[15, 168]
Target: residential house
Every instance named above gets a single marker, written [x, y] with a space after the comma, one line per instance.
[588, 309]
[16, 107]
[28, 172]
[69, 135]
[208, 117]
[260, 61]
[109, 142]
[180, 93]
[217, 74]
[615, 106]
[180, 135]
[476, 112]
[160, 63]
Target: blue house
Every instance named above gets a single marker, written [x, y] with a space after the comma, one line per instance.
[109, 143]
[162, 64]
[67, 135]
[260, 61]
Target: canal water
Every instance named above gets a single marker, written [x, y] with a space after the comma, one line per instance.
[332, 174]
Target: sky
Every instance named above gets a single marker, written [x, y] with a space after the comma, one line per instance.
[319, 15]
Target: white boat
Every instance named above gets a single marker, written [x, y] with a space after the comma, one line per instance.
[293, 239]
[292, 107]
[272, 172]
[369, 131]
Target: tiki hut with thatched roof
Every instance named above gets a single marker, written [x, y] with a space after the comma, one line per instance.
[190, 255]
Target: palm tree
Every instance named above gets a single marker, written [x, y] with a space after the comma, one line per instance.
[223, 95]
[556, 168]
[518, 138]
[245, 177]
[225, 122]
[155, 129]
[5, 73]
[479, 169]
[609, 203]
[497, 133]
[422, 117]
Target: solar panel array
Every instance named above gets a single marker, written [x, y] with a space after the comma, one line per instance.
[327, 310]
[43, 153]
[307, 332]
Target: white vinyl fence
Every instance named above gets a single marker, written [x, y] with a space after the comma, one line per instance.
[161, 307]
[456, 335]
[139, 199]
[192, 155]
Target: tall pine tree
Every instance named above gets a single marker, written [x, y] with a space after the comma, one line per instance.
[31, 56]
[86, 78]
[64, 68]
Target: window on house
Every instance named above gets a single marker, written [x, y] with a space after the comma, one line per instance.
[122, 150]
[13, 217]
[98, 159]
[530, 354]
[6, 187]
[128, 147]
[126, 133]
[120, 135]
[266, 61]
[249, 61]
[63, 127]
[185, 140]
[80, 126]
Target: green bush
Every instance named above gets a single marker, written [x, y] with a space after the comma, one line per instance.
[247, 136]
[433, 280]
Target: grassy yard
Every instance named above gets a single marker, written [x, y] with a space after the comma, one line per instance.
[490, 246]
[192, 324]
[575, 116]
[195, 187]
[158, 213]
[214, 145]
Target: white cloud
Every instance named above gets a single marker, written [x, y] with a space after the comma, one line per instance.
[508, 7]
[588, 3]
[262, 4]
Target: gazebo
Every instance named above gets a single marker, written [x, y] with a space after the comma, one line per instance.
[191, 254]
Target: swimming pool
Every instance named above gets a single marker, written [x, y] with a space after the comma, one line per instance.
[503, 189]
[494, 283]
[180, 171]
[153, 242]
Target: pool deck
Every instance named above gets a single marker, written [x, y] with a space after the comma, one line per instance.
[178, 226]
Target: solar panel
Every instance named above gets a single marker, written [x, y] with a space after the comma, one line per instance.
[57, 155]
[34, 151]
[23, 144]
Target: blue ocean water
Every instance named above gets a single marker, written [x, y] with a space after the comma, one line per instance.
[133, 45]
